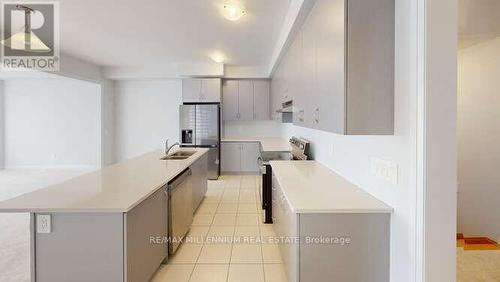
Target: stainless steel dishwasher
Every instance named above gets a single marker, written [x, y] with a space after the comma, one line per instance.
[180, 205]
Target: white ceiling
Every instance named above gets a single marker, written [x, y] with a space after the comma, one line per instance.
[151, 33]
[479, 20]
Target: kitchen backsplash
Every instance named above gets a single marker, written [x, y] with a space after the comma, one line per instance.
[252, 128]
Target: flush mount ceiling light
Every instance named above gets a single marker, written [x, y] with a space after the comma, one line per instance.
[218, 57]
[26, 40]
[233, 11]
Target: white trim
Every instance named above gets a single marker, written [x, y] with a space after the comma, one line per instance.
[435, 213]
[298, 10]
[420, 142]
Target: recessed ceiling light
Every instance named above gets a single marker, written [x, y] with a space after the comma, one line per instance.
[233, 11]
[218, 57]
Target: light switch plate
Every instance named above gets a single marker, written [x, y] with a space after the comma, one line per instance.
[43, 223]
[386, 170]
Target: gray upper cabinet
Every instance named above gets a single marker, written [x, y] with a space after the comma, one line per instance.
[230, 108]
[339, 69]
[261, 99]
[204, 90]
[370, 67]
[246, 105]
[245, 100]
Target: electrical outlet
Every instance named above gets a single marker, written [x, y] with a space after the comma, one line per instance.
[385, 170]
[43, 223]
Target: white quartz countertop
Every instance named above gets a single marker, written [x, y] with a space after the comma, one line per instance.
[310, 187]
[116, 188]
[269, 144]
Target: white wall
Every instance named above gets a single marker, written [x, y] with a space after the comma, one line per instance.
[252, 128]
[2, 137]
[437, 139]
[351, 156]
[479, 139]
[107, 122]
[52, 123]
[147, 112]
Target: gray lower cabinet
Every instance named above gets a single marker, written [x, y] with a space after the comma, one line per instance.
[200, 180]
[351, 247]
[230, 157]
[108, 247]
[240, 157]
[81, 247]
[149, 218]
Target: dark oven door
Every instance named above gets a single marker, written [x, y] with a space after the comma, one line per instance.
[267, 190]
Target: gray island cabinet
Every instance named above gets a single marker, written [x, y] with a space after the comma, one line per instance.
[108, 225]
[326, 228]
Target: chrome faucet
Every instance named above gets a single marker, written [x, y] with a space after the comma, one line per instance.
[167, 148]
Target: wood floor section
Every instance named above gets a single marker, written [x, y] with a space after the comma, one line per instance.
[476, 243]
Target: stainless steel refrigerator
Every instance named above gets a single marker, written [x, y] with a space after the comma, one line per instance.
[200, 127]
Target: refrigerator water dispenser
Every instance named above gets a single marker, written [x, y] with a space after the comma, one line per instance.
[187, 136]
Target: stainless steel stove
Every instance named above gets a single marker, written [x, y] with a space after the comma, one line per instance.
[300, 152]
[300, 149]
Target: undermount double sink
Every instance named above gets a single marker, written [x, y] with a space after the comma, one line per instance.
[179, 155]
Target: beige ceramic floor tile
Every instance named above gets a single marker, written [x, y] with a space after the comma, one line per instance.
[261, 218]
[246, 253]
[202, 220]
[212, 199]
[247, 231]
[249, 181]
[247, 208]
[274, 273]
[246, 273]
[248, 219]
[173, 273]
[220, 235]
[232, 183]
[267, 230]
[224, 219]
[207, 208]
[271, 253]
[210, 273]
[247, 192]
[215, 184]
[213, 254]
[248, 199]
[196, 235]
[227, 208]
[186, 253]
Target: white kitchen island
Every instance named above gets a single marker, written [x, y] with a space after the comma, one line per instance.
[101, 223]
